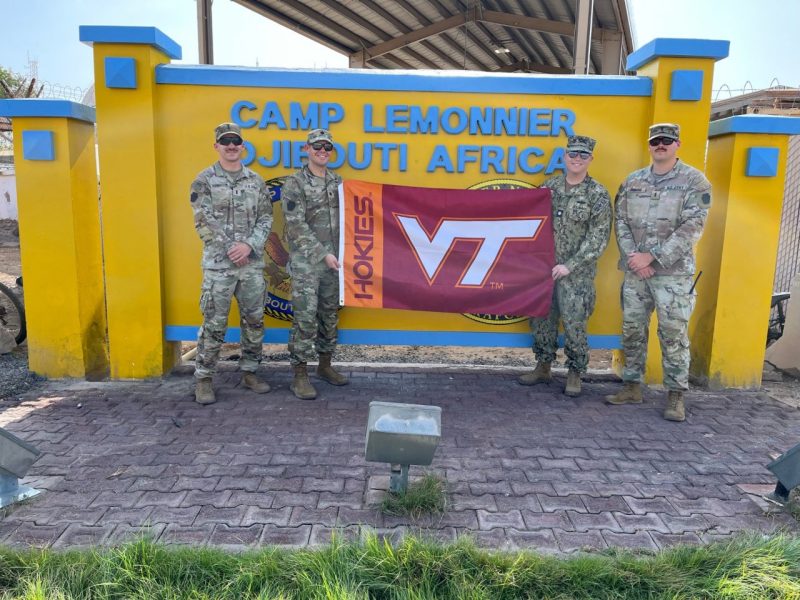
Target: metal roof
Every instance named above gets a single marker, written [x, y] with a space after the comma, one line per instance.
[483, 35]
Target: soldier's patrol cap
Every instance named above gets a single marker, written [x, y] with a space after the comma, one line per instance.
[580, 143]
[319, 135]
[667, 130]
[227, 128]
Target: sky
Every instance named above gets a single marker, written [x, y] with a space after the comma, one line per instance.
[46, 31]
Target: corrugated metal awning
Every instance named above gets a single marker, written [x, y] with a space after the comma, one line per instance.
[486, 35]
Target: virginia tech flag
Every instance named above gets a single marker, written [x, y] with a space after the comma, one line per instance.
[464, 251]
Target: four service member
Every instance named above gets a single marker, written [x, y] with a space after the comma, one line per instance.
[581, 226]
[659, 216]
[660, 212]
[310, 201]
[233, 216]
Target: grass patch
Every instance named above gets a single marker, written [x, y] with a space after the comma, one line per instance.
[754, 567]
[426, 496]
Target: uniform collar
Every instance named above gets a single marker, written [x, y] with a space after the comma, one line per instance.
[220, 172]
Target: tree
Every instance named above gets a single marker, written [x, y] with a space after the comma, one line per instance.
[15, 86]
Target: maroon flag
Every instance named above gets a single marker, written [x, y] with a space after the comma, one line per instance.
[464, 251]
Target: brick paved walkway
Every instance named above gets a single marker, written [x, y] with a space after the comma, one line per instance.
[527, 467]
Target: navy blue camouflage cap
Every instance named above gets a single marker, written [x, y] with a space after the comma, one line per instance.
[580, 143]
[319, 135]
[667, 130]
[227, 128]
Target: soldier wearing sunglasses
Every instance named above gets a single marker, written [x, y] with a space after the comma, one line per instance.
[660, 212]
[582, 225]
[233, 216]
[310, 202]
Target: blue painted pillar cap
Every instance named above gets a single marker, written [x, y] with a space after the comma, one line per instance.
[42, 107]
[108, 34]
[677, 47]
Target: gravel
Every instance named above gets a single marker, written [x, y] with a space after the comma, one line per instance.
[15, 378]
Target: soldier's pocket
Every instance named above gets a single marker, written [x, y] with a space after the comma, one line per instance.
[207, 307]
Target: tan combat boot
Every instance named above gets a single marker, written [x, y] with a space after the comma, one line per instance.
[328, 373]
[301, 386]
[204, 392]
[631, 393]
[541, 374]
[573, 387]
[255, 383]
[675, 410]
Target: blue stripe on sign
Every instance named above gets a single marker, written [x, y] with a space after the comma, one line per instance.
[391, 337]
[406, 81]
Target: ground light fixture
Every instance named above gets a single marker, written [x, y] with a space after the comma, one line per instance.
[402, 435]
[787, 469]
[16, 457]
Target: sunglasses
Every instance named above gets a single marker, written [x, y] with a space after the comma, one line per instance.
[664, 141]
[327, 146]
[227, 141]
[583, 155]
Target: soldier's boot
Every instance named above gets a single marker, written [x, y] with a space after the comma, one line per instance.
[255, 383]
[675, 410]
[204, 392]
[541, 374]
[573, 387]
[328, 373]
[631, 393]
[301, 386]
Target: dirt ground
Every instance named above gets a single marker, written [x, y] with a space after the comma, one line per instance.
[777, 385]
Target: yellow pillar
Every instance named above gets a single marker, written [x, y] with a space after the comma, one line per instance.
[59, 226]
[125, 59]
[682, 71]
[747, 169]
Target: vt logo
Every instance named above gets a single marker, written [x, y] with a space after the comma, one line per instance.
[492, 236]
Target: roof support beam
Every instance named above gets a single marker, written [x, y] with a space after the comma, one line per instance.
[533, 23]
[415, 36]
[612, 54]
[205, 35]
[583, 36]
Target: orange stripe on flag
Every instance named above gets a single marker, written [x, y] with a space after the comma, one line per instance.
[363, 244]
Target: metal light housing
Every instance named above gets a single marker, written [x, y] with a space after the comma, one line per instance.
[402, 435]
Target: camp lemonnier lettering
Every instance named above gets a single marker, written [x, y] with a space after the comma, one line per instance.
[363, 246]
[517, 126]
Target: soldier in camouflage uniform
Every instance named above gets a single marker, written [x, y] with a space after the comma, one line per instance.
[233, 216]
[660, 212]
[582, 225]
[310, 201]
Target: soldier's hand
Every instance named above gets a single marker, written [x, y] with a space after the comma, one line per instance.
[560, 271]
[239, 251]
[646, 273]
[331, 262]
[639, 260]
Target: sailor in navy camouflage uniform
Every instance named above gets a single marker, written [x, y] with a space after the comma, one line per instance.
[581, 226]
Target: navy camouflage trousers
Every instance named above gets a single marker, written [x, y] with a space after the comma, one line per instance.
[573, 303]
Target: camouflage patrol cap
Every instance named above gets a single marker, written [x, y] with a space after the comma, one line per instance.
[667, 130]
[580, 143]
[319, 135]
[227, 128]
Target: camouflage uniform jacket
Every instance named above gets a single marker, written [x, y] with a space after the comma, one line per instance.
[581, 223]
[228, 208]
[663, 216]
[311, 209]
